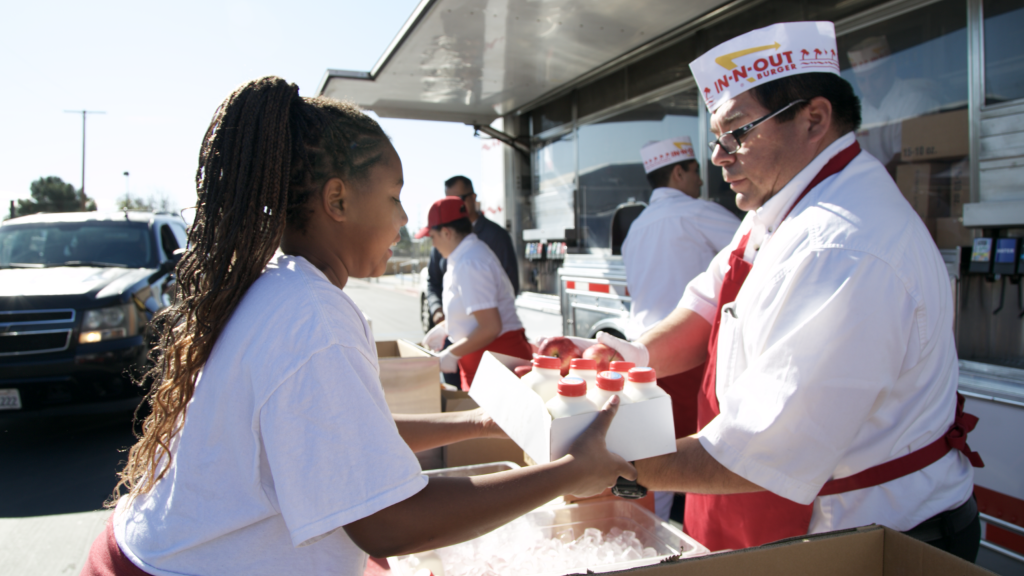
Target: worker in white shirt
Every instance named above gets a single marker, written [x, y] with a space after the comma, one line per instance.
[670, 243]
[478, 300]
[830, 398]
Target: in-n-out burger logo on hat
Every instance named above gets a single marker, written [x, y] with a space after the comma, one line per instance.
[763, 55]
[671, 151]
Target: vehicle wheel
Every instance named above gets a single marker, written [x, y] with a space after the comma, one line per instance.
[425, 318]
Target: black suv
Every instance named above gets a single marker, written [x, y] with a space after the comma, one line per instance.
[77, 292]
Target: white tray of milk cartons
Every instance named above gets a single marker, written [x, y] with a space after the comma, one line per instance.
[640, 430]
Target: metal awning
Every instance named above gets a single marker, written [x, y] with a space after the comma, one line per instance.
[472, 61]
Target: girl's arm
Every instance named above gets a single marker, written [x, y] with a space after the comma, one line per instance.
[488, 328]
[426, 431]
[453, 510]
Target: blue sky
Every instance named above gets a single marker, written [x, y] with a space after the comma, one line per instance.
[160, 70]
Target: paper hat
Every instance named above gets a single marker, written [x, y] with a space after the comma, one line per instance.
[869, 53]
[671, 151]
[763, 55]
[445, 210]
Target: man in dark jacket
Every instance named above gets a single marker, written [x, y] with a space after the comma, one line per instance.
[496, 238]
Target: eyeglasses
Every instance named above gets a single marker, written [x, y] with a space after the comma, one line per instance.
[730, 141]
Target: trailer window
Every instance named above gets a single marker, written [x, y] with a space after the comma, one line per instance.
[908, 66]
[610, 170]
[554, 173]
[910, 73]
[1004, 50]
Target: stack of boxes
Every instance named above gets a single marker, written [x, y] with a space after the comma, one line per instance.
[934, 175]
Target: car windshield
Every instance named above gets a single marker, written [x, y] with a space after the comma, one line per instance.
[101, 244]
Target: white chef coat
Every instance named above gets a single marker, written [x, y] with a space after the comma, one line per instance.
[881, 131]
[671, 242]
[474, 280]
[838, 352]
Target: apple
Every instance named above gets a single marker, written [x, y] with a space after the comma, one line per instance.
[559, 347]
[601, 354]
[522, 370]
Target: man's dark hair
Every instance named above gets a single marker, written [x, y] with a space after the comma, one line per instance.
[462, 226]
[456, 179]
[660, 177]
[845, 104]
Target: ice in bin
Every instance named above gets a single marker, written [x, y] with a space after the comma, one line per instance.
[598, 536]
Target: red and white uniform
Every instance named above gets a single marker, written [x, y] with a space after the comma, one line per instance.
[838, 353]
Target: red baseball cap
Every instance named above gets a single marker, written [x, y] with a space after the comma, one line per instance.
[445, 210]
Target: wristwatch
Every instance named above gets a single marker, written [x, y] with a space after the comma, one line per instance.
[629, 489]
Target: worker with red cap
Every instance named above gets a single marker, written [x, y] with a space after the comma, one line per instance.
[478, 299]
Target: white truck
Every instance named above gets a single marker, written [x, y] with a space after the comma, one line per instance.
[573, 90]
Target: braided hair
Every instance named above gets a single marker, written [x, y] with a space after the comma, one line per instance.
[267, 154]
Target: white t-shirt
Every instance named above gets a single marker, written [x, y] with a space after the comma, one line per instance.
[287, 439]
[838, 352]
[670, 243]
[474, 281]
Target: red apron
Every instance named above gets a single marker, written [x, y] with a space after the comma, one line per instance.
[512, 343]
[684, 389]
[736, 521]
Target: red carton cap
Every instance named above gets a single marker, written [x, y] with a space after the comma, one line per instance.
[642, 375]
[547, 362]
[610, 381]
[572, 386]
[621, 366]
[583, 364]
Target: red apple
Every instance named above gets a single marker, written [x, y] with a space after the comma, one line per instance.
[601, 354]
[559, 347]
[522, 370]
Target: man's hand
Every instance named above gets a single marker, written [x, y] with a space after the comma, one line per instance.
[634, 352]
[438, 316]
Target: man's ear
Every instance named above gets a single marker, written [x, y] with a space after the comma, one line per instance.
[335, 199]
[818, 114]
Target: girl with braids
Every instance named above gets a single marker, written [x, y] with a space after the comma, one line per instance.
[269, 448]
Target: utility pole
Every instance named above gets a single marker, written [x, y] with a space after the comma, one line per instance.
[83, 113]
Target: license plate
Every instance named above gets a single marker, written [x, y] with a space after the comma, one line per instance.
[10, 399]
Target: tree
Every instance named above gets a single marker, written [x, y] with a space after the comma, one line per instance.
[160, 202]
[405, 242]
[129, 202]
[51, 194]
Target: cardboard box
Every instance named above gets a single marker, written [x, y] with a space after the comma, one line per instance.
[411, 377]
[640, 430]
[926, 186]
[959, 187]
[868, 551]
[935, 136]
[950, 233]
[478, 450]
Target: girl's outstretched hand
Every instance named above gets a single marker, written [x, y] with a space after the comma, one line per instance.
[596, 468]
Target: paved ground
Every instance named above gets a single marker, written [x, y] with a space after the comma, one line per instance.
[55, 474]
[393, 306]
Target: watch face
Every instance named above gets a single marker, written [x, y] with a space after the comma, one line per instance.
[628, 489]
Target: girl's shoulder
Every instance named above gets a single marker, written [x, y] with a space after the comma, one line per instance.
[294, 297]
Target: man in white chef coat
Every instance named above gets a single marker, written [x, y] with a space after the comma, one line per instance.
[830, 398]
[670, 243]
